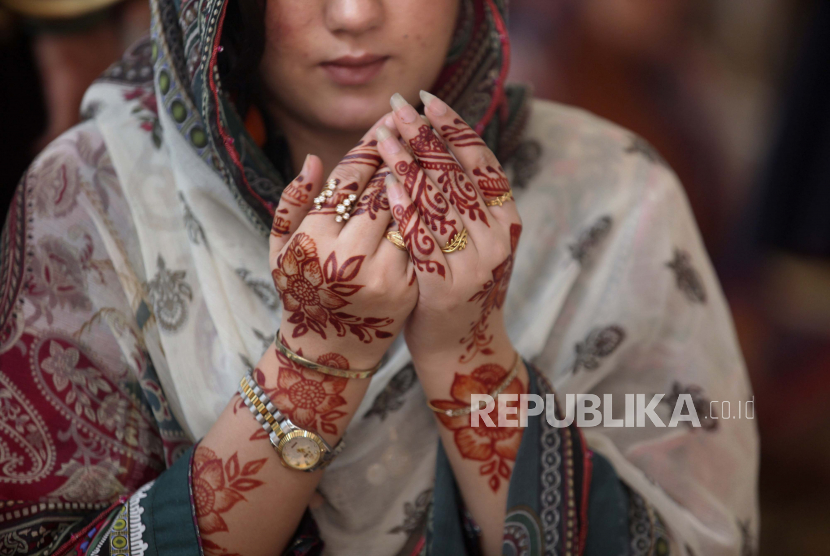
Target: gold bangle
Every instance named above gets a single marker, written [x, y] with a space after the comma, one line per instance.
[326, 370]
[500, 200]
[456, 242]
[511, 376]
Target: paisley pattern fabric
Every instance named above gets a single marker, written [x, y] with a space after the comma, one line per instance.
[136, 291]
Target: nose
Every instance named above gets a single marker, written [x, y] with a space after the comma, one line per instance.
[353, 16]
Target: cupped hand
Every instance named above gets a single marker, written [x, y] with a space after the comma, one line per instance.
[343, 286]
[444, 189]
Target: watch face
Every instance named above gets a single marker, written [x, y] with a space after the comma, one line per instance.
[301, 452]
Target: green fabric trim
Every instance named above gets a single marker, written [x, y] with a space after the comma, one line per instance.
[608, 532]
[168, 515]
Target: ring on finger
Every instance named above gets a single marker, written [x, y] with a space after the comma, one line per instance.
[396, 238]
[344, 209]
[328, 191]
[501, 199]
[456, 243]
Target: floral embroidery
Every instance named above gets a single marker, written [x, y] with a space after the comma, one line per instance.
[708, 421]
[262, 289]
[194, 228]
[83, 383]
[686, 277]
[169, 294]
[588, 241]
[56, 184]
[146, 111]
[58, 278]
[217, 488]
[391, 398]
[314, 293]
[414, 513]
[600, 343]
[496, 446]
[90, 483]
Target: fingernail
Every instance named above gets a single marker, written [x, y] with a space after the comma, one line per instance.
[393, 189]
[403, 109]
[305, 164]
[433, 103]
[390, 122]
[384, 137]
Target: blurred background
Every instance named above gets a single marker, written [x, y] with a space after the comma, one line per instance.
[734, 93]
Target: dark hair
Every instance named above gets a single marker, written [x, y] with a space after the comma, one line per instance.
[243, 40]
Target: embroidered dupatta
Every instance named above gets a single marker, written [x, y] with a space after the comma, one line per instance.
[136, 291]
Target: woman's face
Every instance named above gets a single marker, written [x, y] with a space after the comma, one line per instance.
[334, 64]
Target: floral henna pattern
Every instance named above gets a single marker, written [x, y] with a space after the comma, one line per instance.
[374, 199]
[491, 296]
[419, 242]
[218, 487]
[453, 181]
[494, 446]
[314, 294]
[309, 398]
[432, 205]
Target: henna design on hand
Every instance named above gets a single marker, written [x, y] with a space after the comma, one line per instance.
[297, 193]
[461, 135]
[433, 155]
[495, 446]
[494, 184]
[432, 206]
[314, 293]
[365, 152]
[418, 240]
[310, 398]
[374, 199]
[281, 226]
[491, 296]
[218, 487]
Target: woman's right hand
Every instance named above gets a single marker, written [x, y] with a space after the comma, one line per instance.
[343, 285]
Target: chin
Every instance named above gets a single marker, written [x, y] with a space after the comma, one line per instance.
[353, 112]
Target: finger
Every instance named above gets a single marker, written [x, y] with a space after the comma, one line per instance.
[442, 168]
[295, 202]
[349, 177]
[472, 153]
[371, 215]
[424, 251]
[434, 209]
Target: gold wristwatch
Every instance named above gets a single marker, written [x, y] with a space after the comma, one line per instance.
[298, 448]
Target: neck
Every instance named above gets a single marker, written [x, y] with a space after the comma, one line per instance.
[330, 145]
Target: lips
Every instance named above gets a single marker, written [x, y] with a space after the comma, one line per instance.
[354, 70]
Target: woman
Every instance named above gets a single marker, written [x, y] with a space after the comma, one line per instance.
[138, 298]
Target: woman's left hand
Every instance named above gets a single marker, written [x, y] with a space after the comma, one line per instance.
[452, 184]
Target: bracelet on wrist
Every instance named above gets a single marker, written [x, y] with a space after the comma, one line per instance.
[319, 367]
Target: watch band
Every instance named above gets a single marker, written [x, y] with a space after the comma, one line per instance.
[275, 423]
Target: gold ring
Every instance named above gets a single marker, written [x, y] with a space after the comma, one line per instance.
[500, 200]
[456, 242]
[397, 239]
